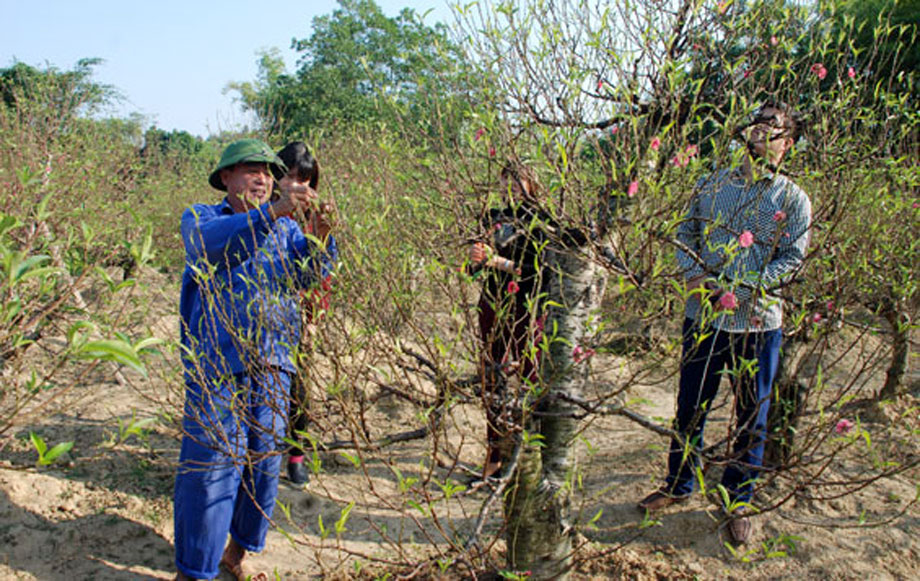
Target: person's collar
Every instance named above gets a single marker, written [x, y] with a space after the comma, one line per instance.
[760, 170]
[765, 173]
[224, 207]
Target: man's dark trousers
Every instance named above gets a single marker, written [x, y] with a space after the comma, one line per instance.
[701, 369]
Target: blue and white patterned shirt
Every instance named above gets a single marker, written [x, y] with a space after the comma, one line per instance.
[778, 215]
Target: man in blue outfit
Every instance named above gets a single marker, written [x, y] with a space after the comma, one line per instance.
[745, 234]
[246, 259]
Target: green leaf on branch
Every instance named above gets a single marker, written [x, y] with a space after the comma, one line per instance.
[340, 524]
[112, 350]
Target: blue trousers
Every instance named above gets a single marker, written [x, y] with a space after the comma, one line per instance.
[229, 465]
[700, 372]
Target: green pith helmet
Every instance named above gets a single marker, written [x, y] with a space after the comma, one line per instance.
[247, 151]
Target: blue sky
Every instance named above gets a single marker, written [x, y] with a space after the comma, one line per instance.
[170, 59]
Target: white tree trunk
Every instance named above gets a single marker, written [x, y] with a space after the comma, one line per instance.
[539, 533]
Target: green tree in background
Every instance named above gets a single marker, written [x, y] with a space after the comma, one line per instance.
[183, 142]
[54, 96]
[356, 63]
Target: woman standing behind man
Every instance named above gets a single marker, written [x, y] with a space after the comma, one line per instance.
[510, 314]
[303, 169]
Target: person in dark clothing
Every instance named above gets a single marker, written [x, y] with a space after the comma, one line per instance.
[303, 168]
[510, 313]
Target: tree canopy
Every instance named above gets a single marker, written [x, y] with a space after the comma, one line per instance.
[52, 96]
[356, 59]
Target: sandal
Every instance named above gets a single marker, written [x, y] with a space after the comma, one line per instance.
[241, 573]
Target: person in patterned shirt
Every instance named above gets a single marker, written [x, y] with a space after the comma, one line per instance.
[743, 237]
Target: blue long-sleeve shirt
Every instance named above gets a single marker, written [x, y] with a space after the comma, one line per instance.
[240, 288]
[778, 215]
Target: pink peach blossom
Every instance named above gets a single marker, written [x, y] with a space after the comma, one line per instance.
[746, 239]
[779, 216]
[513, 287]
[580, 353]
[682, 159]
[728, 300]
[633, 189]
[819, 70]
[479, 133]
[844, 426]
[491, 152]
[816, 318]
[851, 72]
[655, 143]
[774, 41]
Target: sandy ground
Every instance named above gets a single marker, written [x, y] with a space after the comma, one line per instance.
[104, 511]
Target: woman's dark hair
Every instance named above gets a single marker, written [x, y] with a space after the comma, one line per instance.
[520, 173]
[301, 162]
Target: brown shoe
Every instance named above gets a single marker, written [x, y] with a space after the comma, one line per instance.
[660, 499]
[739, 527]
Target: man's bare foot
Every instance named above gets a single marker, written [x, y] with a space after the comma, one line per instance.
[232, 561]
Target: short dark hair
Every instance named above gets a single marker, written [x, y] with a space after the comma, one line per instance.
[298, 159]
[795, 121]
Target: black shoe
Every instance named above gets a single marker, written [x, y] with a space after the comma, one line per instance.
[297, 473]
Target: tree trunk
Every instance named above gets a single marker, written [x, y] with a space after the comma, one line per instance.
[900, 353]
[539, 533]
